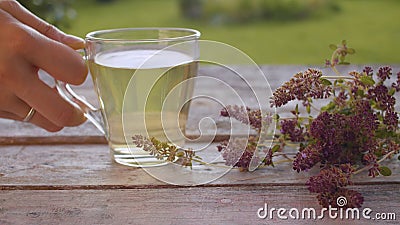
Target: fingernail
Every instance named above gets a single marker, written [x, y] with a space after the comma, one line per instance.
[79, 117]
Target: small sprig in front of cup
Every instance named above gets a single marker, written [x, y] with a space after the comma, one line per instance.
[166, 151]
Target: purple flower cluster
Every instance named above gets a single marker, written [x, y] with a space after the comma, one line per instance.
[303, 87]
[383, 147]
[141, 142]
[330, 184]
[244, 114]
[307, 158]
[368, 71]
[292, 128]
[238, 152]
[356, 84]
[391, 119]
[384, 73]
[341, 99]
[383, 97]
[396, 85]
[354, 198]
[268, 158]
[330, 63]
[338, 138]
[380, 94]
[330, 179]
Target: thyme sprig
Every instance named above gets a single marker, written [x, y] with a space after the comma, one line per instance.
[166, 151]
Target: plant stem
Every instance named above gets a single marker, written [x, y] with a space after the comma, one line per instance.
[300, 117]
[379, 161]
[285, 154]
[338, 77]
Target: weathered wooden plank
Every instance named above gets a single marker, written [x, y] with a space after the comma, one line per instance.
[195, 205]
[80, 166]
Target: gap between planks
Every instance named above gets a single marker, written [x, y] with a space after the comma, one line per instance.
[78, 140]
[166, 186]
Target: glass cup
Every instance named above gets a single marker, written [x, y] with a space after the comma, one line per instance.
[134, 72]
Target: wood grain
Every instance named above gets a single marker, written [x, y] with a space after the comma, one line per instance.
[84, 166]
[195, 205]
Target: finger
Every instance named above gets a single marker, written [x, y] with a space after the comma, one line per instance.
[16, 109]
[28, 18]
[47, 102]
[40, 121]
[57, 59]
[62, 62]
[37, 119]
[21, 110]
[8, 115]
[55, 108]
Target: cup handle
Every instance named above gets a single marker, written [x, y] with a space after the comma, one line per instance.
[91, 113]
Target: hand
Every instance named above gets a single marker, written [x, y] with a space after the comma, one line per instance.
[28, 44]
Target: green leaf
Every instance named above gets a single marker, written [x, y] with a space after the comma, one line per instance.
[275, 148]
[308, 108]
[332, 46]
[329, 107]
[367, 80]
[360, 93]
[385, 171]
[379, 153]
[350, 51]
[344, 63]
[344, 42]
[342, 58]
[345, 111]
[325, 81]
[392, 91]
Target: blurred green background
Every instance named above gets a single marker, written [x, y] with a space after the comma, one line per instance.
[269, 31]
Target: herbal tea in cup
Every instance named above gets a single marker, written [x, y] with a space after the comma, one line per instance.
[134, 71]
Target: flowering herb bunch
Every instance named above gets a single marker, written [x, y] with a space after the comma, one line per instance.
[356, 131]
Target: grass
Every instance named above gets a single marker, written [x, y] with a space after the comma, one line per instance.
[371, 27]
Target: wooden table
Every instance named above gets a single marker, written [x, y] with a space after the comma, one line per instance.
[69, 178]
